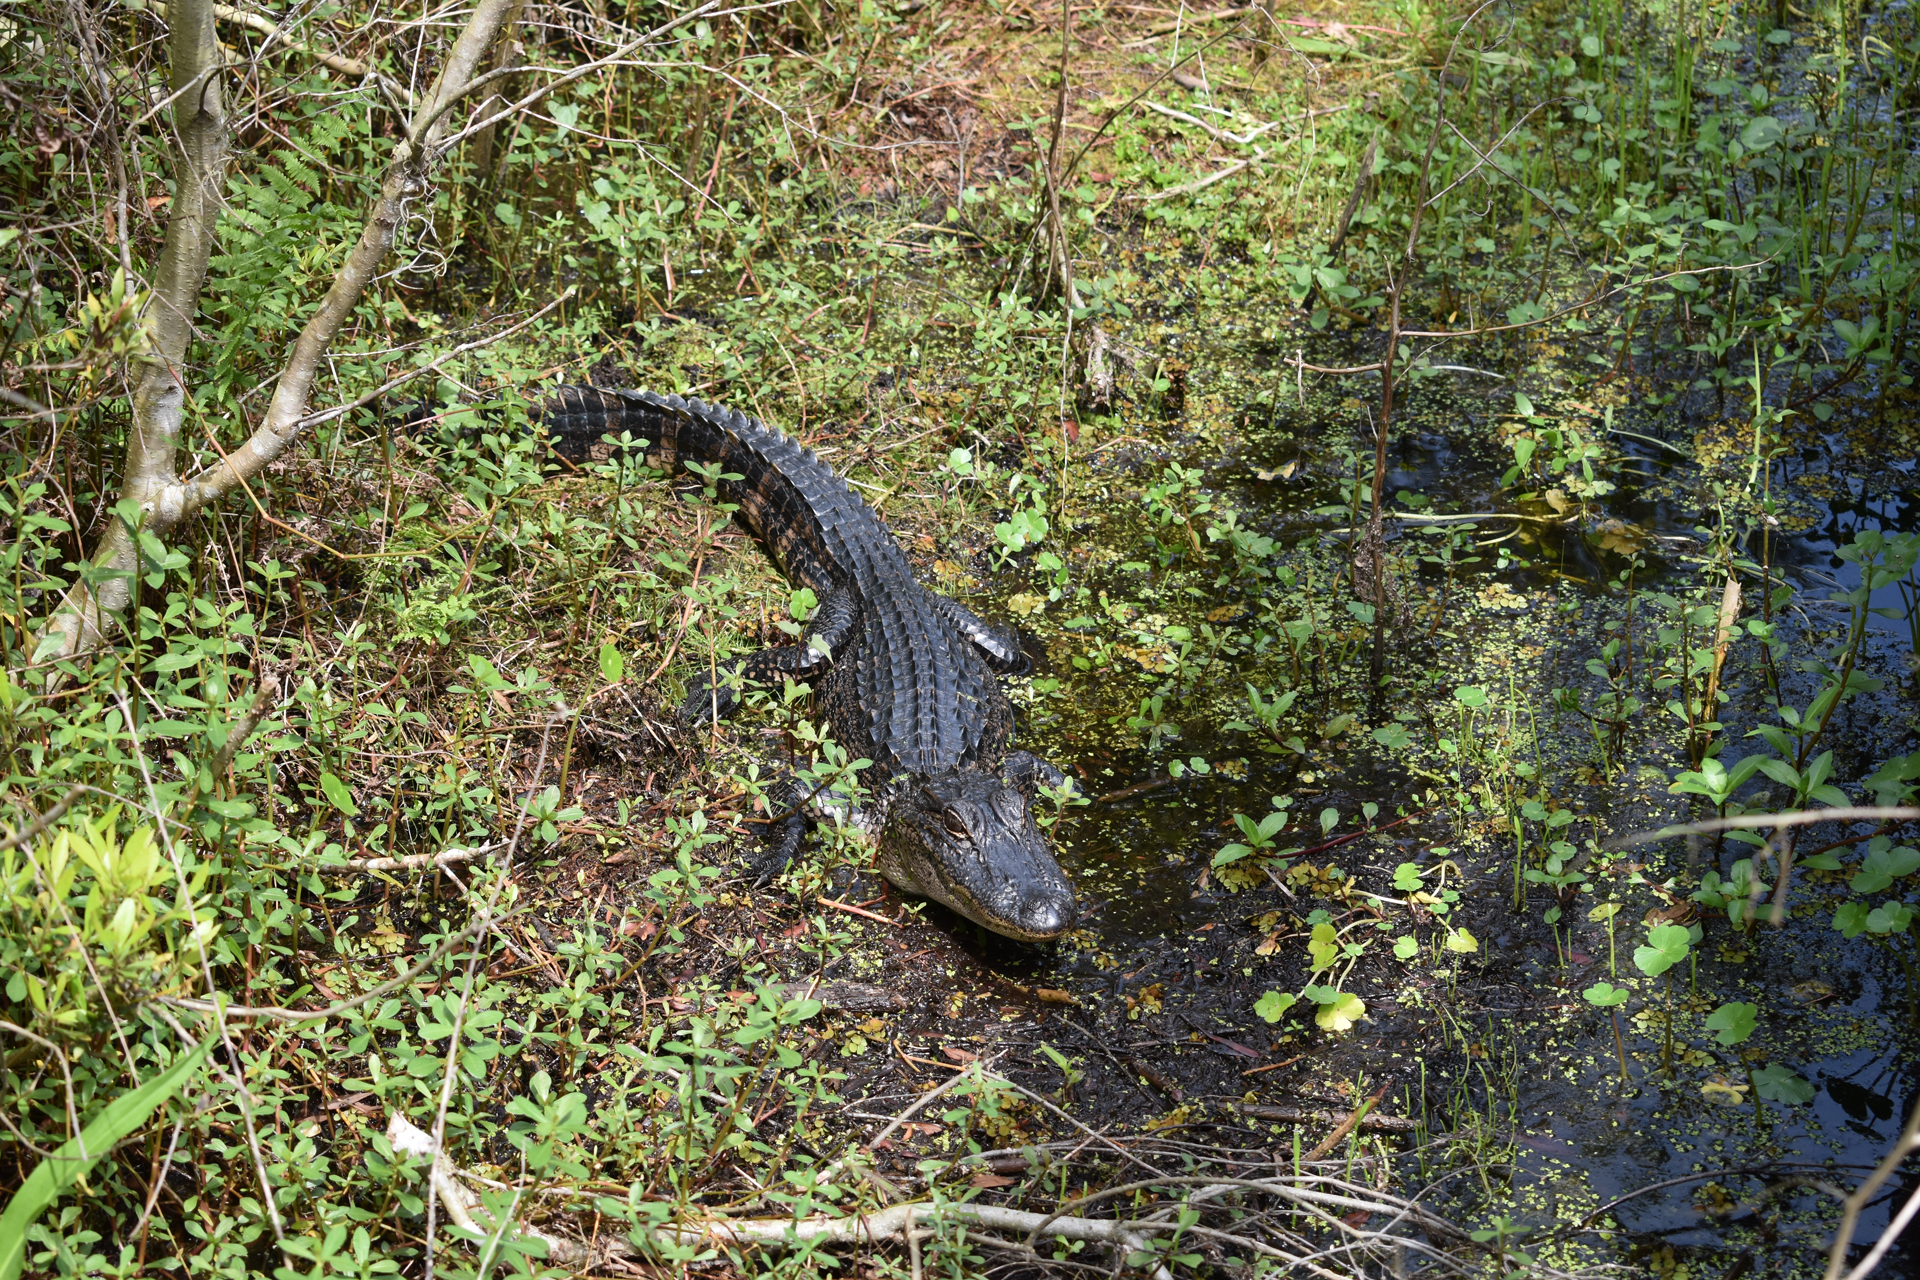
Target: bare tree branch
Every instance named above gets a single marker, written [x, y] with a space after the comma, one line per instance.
[200, 127]
[406, 180]
[151, 480]
[1905, 1145]
[1796, 818]
[45, 820]
[273, 31]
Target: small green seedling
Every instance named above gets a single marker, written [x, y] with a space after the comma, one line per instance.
[1605, 995]
[1273, 1006]
[1667, 945]
[1607, 911]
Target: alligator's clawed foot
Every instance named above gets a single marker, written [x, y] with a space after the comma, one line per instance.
[783, 841]
[1027, 770]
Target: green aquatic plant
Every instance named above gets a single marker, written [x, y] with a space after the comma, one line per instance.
[1666, 946]
[1605, 995]
[1259, 837]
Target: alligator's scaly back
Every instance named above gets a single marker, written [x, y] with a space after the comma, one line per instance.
[906, 695]
[788, 498]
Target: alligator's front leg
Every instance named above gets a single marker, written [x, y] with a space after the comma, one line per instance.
[791, 808]
[832, 627]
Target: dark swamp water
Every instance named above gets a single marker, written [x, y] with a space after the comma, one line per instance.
[1675, 1172]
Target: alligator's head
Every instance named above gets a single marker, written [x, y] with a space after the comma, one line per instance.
[967, 838]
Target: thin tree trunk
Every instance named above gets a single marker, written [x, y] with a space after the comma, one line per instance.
[159, 378]
[152, 481]
[511, 53]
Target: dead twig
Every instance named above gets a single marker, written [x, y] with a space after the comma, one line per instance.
[480, 924]
[852, 910]
[1345, 1127]
[1796, 818]
[418, 861]
[1863, 1195]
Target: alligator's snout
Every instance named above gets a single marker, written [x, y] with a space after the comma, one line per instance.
[1045, 915]
[968, 839]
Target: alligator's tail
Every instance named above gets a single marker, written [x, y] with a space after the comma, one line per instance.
[816, 527]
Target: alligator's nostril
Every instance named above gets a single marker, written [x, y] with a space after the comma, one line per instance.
[1049, 918]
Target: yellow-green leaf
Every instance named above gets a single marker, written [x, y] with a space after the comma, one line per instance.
[1341, 1014]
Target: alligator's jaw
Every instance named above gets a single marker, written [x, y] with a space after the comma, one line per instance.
[1041, 916]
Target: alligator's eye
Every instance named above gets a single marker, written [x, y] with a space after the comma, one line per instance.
[954, 825]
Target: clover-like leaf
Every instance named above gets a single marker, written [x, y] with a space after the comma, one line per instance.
[1274, 1005]
[1889, 917]
[1733, 1022]
[1777, 1083]
[1667, 946]
[1324, 946]
[1850, 918]
[1341, 1014]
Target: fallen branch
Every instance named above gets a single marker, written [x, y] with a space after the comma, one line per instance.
[893, 1224]
[1319, 1196]
[1201, 184]
[913, 1109]
[1371, 1122]
[1797, 818]
[464, 1207]
[1257, 157]
[1212, 130]
[852, 910]
[480, 924]
[1345, 1127]
[854, 997]
[417, 861]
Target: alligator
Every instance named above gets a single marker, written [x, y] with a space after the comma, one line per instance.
[905, 677]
